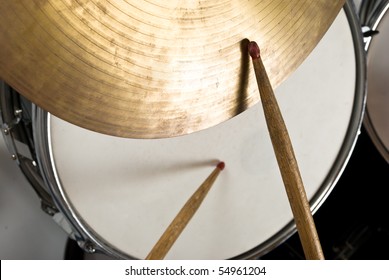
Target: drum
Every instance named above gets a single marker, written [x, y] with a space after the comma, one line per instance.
[377, 114]
[117, 196]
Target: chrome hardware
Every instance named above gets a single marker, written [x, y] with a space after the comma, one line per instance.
[89, 247]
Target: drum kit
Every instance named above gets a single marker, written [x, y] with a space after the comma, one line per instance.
[116, 111]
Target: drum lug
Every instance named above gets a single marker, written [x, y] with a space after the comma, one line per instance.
[87, 246]
[368, 33]
[9, 141]
[48, 208]
[6, 129]
[8, 126]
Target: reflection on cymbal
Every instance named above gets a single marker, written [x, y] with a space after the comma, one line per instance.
[152, 69]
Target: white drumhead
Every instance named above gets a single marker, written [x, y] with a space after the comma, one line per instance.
[126, 192]
[378, 86]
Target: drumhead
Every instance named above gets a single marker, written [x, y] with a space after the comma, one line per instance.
[377, 113]
[121, 194]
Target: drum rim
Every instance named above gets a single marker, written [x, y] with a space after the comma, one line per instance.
[91, 241]
[368, 122]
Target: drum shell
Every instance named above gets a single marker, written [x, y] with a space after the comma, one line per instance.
[376, 119]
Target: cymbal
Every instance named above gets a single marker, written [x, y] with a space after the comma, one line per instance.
[152, 69]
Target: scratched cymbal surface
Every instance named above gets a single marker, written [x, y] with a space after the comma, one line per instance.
[152, 69]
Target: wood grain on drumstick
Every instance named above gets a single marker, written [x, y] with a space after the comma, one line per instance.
[286, 160]
[162, 247]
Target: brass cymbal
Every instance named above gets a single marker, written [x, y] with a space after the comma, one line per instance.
[151, 68]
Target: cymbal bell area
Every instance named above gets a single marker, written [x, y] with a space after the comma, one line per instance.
[152, 69]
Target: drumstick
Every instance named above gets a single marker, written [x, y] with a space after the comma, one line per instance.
[286, 160]
[162, 247]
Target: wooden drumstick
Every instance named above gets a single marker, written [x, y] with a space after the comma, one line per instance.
[162, 247]
[286, 160]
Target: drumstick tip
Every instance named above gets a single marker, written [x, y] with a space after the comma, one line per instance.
[221, 165]
[253, 50]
